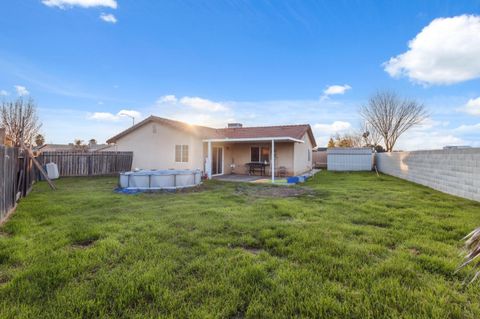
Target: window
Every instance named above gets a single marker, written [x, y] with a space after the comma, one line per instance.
[308, 155]
[255, 154]
[265, 154]
[259, 154]
[181, 153]
[184, 153]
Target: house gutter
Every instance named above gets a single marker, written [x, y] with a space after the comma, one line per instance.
[254, 139]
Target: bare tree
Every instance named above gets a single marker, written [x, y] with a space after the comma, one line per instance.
[20, 120]
[353, 139]
[391, 116]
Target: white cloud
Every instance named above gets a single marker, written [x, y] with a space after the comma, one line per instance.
[475, 128]
[130, 113]
[195, 102]
[418, 140]
[80, 3]
[335, 127]
[106, 116]
[446, 51]
[433, 134]
[202, 104]
[473, 106]
[323, 132]
[199, 118]
[21, 90]
[194, 110]
[110, 18]
[336, 89]
[167, 99]
[103, 116]
[3, 93]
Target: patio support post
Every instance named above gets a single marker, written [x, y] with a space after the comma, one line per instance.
[209, 160]
[273, 161]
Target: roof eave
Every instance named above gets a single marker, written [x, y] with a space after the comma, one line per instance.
[254, 139]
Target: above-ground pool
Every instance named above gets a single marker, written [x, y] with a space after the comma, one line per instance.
[161, 179]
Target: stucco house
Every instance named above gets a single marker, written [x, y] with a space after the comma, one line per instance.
[160, 143]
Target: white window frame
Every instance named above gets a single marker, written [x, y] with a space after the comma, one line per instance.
[184, 153]
[260, 153]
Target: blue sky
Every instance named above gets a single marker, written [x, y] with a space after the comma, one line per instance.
[255, 62]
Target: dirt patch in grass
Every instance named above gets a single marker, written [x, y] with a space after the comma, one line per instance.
[194, 189]
[414, 251]
[4, 279]
[254, 250]
[273, 191]
[85, 243]
[4, 234]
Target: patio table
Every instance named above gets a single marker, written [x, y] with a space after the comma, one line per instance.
[254, 166]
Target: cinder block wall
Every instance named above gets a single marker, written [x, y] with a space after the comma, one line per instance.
[455, 171]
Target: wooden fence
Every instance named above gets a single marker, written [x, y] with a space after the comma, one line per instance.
[88, 164]
[319, 159]
[16, 178]
[8, 179]
[17, 174]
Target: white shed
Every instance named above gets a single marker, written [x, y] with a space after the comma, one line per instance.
[350, 159]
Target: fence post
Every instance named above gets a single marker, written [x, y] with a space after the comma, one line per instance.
[89, 164]
[2, 182]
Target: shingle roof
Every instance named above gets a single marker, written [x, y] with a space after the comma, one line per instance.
[198, 130]
[293, 131]
[55, 147]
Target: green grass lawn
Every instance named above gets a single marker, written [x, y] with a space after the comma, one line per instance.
[346, 245]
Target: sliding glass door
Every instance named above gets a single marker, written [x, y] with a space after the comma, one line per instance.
[217, 160]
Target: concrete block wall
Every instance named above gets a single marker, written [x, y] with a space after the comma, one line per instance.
[454, 171]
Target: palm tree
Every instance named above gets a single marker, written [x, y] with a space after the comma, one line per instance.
[39, 140]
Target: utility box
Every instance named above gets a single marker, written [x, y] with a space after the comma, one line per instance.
[350, 159]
